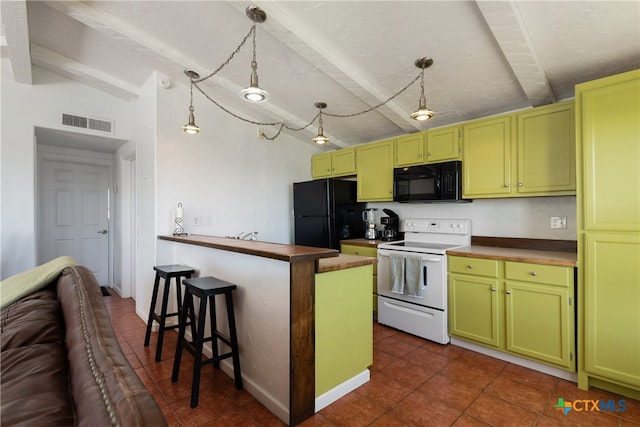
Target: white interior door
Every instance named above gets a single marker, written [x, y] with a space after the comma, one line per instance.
[74, 214]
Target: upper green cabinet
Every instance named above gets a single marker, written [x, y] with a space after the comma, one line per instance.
[410, 150]
[335, 163]
[547, 150]
[530, 153]
[443, 144]
[375, 171]
[487, 158]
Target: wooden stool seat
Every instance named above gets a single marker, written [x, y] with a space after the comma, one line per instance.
[166, 272]
[206, 289]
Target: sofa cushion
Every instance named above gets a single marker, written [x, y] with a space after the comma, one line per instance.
[35, 319]
[106, 390]
[35, 387]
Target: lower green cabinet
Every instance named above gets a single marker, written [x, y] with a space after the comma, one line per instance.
[370, 252]
[520, 308]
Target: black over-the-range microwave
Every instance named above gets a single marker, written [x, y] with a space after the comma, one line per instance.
[437, 182]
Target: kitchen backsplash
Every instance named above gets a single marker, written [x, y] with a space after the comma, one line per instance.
[528, 217]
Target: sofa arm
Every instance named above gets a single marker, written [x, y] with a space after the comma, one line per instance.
[105, 389]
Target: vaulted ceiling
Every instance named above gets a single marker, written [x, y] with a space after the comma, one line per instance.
[489, 57]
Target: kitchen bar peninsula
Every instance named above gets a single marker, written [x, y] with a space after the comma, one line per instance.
[286, 304]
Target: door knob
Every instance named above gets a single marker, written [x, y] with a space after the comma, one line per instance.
[102, 232]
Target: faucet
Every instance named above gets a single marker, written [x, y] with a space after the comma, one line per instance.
[253, 235]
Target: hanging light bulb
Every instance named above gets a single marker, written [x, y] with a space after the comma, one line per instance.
[423, 112]
[320, 139]
[253, 93]
[191, 127]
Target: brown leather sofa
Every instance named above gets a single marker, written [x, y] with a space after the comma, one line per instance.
[62, 365]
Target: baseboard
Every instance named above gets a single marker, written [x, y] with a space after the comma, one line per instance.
[540, 367]
[340, 390]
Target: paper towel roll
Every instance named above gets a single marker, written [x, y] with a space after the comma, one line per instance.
[178, 222]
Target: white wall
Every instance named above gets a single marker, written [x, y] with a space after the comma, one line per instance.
[23, 108]
[518, 217]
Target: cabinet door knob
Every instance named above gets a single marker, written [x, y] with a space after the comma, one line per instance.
[508, 292]
[428, 154]
[420, 155]
[493, 289]
[519, 184]
[469, 266]
[533, 273]
[506, 185]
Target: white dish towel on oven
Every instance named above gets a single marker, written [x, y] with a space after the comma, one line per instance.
[396, 273]
[413, 276]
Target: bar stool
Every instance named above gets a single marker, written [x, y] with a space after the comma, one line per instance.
[167, 272]
[206, 289]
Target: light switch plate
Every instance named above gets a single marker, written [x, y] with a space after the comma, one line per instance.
[558, 222]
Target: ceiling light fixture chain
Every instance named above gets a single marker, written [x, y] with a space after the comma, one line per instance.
[254, 93]
[375, 107]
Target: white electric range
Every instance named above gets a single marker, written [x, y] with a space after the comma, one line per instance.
[412, 276]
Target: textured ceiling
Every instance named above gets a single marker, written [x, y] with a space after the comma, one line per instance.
[489, 57]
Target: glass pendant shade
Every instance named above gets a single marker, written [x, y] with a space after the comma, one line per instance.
[253, 93]
[422, 113]
[320, 139]
[191, 127]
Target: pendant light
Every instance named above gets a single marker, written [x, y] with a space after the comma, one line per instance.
[191, 127]
[253, 93]
[320, 139]
[422, 113]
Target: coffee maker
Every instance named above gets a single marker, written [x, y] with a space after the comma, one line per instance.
[369, 217]
[390, 223]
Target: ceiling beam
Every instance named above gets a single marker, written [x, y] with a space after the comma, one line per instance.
[118, 29]
[16, 32]
[506, 24]
[309, 45]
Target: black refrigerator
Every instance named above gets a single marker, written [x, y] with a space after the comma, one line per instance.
[326, 211]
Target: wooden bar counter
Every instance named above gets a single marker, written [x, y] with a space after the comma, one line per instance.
[275, 310]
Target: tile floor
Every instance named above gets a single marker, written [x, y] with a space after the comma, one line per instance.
[413, 383]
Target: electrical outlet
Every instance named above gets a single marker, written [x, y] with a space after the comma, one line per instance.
[558, 222]
[197, 220]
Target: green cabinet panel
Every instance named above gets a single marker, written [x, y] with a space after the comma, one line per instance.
[321, 165]
[335, 163]
[611, 301]
[486, 168]
[532, 314]
[375, 171]
[344, 331]
[370, 252]
[539, 322]
[547, 150]
[443, 144]
[474, 311]
[608, 196]
[409, 150]
[610, 117]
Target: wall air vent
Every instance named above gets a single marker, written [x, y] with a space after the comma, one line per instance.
[87, 123]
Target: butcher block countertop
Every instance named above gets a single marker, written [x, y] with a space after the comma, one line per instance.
[344, 261]
[534, 256]
[277, 251]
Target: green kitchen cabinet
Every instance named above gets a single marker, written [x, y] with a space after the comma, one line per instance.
[540, 312]
[370, 252]
[520, 308]
[410, 150]
[335, 163]
[474, 307]
[343, 327]
[608, 196]
[375, 171]
[443, 144]
[546, 150]
[488, 157]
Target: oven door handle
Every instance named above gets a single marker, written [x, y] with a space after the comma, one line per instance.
[425, 273]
